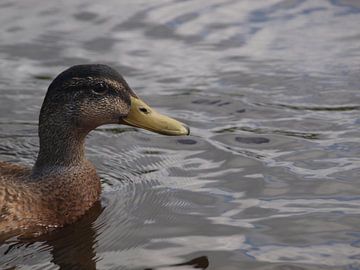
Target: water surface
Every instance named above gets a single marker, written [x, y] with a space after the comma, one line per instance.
[269, 178]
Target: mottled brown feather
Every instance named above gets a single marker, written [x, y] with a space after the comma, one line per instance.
[62, 185]
[58, 198]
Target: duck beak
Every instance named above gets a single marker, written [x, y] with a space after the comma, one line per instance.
[143, 116]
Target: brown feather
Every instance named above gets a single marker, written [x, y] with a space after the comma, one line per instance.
[62, 185]
[30, 204]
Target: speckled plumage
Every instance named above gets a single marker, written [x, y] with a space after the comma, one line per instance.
[57, 198]
[62, 185]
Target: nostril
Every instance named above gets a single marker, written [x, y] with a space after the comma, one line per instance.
[144, 110]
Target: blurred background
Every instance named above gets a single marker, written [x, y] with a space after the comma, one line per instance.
[269, 178]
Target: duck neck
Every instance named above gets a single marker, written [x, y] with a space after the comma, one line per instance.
[61, 145]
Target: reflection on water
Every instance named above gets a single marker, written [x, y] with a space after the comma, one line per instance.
[270, 89]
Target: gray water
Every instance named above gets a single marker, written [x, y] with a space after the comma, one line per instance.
[269, 178]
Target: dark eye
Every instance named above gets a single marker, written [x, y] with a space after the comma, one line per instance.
[100, 89]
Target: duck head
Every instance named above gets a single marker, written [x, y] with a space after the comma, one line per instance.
[88, 96]
[82, 98]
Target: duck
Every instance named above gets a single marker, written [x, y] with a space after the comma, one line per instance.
[62, 185]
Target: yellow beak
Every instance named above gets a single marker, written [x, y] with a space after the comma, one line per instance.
[142, 116]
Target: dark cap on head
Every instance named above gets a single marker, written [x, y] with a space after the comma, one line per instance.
[89, 72]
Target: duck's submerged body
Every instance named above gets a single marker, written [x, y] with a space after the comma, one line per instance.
[63, 185]
[36, 203]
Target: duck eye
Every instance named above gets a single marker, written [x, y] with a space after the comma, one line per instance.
[100, 89]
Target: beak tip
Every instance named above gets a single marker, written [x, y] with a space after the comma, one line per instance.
[187, 130]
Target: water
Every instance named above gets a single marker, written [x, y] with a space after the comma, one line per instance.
[270, 89]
